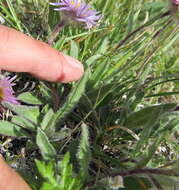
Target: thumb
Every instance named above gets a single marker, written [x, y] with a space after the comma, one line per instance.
[20, 53]
[9, 179]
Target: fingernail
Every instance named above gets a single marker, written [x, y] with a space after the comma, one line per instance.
[73, 62]
[72, 69]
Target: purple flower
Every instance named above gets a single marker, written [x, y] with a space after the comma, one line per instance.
[6, 91]
[78, 11]
[176, 2]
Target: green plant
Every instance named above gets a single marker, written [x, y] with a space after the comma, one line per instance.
[124, 109]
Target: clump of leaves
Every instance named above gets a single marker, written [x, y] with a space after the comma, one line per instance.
[126, 102]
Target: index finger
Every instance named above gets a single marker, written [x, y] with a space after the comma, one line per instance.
[20, 53]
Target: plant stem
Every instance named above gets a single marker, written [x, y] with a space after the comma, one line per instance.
[168, 172]
[149, 171]
[156, 183]
[55, 32]
[14, 15]
[141, 27]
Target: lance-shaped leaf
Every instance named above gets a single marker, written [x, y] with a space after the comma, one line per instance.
[46, 148]
[147, 115]
[84, 153]
[29, 113]
[72, 100]
[29, 98]
[11, 129]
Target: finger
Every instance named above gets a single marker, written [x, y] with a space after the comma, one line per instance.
[9, 179]
[20, 53]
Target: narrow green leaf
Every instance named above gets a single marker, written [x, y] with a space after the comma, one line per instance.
[170, 43]
[140, 118]
[137, 183]
[146, 157]
[72, 100]
[24, 123]
[168, 182]
[98, 74]
[147, 128]
[66, 172]
[84, 153]
[14, 15]
[48, 186]
[53, 17]
[74, 49]
[31, 113]
[121, 60]
[93, 59]
[75, 184]
[63, 133]
[84, 34]
[48, 116]
[104, 46]
[29, 98]
[163, 94]
[47, 171]
[47, 150]
[10, 129]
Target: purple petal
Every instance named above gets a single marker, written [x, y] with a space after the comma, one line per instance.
[78, 11]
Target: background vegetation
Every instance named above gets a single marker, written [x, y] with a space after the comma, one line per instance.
[116, 128]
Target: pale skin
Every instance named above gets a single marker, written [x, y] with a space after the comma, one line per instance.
[20, 53]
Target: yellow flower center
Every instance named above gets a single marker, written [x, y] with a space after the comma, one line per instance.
[72, 3]
[1, 94]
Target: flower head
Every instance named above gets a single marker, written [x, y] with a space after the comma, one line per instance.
[176, 2]
[78, 11]
[175, 7]
[6, 91]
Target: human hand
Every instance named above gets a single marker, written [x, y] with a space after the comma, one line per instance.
[9, 179]
[20, 53]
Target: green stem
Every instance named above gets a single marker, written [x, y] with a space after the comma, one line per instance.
[148, 171]
[122, 42]
[14, 15]
[56, 31]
